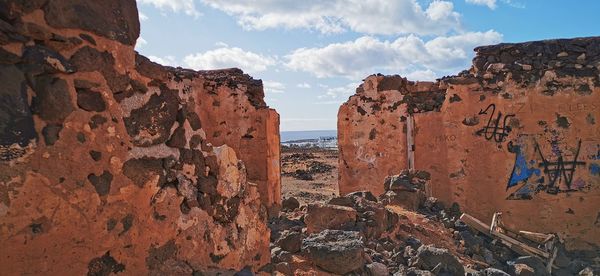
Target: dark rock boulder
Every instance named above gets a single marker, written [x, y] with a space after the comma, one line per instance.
[377, 269]
[335, 251]
[16, 123]
[151, 124]
[90, 100]
[39, 59]
[324, 216]
[290, 241]
[290, 204]
[51, 133]
[52, 101]
[430, 258]
[113, 19]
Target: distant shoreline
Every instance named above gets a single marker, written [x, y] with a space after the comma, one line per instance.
[308, 135]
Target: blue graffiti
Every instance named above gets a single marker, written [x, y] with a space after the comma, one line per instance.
[595, 169]
[521, 171]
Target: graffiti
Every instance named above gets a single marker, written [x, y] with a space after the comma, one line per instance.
[560, 170]
[493, 130]
[521, 170]
[558, 174]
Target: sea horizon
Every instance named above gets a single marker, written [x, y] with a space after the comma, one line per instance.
[294, 135]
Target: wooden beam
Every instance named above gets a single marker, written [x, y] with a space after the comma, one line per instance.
[475, 223]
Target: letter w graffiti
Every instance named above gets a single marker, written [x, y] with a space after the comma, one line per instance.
[559, 170]
[493, 130]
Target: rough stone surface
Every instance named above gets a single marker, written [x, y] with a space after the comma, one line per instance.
[112, 164]
[17, 130]
[493, 272]
[324, 216]
[290, 204]
[377, 269]
[113, 19]
[528, 265]
[290, 241]
[524, 126]
[430, 258]
[335, 251]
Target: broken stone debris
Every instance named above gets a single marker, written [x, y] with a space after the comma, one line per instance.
[429, 240]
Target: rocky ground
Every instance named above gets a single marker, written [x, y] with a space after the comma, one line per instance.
[399, 233]
[309, 174]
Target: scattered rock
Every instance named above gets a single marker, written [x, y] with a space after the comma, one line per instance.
[520, 270]
[492, 272]
[430, 258]
[532, 262]
[290, 204]
[377, 269]
[290, 241]
[325, 216]
[335, 251]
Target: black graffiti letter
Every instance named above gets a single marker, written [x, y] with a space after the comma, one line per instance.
[493, 130]
[559, 170]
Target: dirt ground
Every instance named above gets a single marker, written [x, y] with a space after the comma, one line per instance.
[309, 174]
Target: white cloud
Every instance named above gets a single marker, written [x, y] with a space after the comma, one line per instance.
[142, 16]
[140, 42]
[167, 60]
[421, 75]
[221, 44]
[334, 16]
[303, 85]
[490, 3]
[227, 57]
[367, 55]
[186, 6]
[273, 87]
[339, 93]
[514, 4]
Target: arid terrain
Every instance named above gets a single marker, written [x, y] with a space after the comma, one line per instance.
[113, 164]
[309, 174]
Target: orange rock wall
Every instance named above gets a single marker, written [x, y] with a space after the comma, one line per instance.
[371, 134]
[231, 116]
[107, 160]
[537, 158]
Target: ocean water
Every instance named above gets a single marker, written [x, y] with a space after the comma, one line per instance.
[306, 134]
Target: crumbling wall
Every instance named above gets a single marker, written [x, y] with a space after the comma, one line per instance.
[517, 133]
[234, 113]
[231, 111]
[107, 162]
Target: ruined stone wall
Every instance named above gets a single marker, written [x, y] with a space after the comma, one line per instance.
[517, 133]
[234, 113]
[107, 160]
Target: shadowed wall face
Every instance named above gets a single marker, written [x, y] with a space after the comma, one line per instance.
[517, 134]
[112, 163]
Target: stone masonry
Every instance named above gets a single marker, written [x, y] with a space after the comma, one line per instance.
[517, 133]
[112, 163]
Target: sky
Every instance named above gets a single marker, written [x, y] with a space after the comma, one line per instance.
[311, 55]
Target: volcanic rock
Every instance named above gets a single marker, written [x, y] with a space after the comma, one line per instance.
[335, 251]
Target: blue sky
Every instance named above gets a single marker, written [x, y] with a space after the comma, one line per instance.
[312, 54]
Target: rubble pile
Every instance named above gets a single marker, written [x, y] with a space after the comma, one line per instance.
[360, 234]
